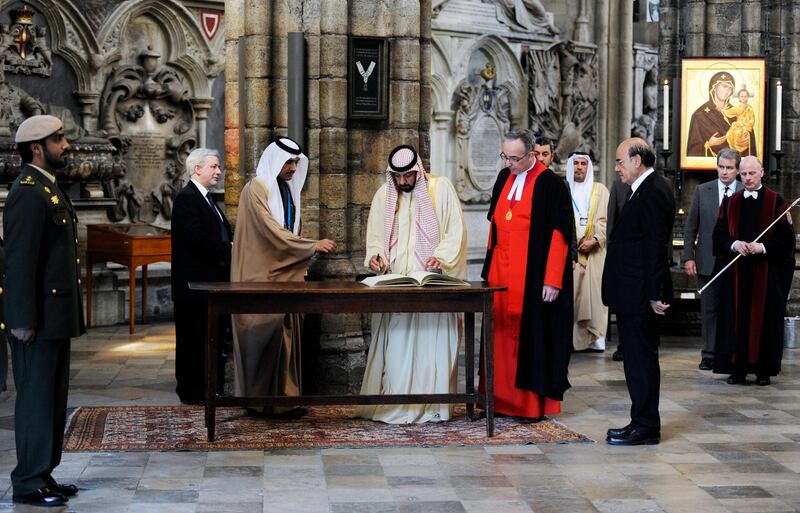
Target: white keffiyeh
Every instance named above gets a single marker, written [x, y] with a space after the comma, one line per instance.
[425, 223]
[269, 167]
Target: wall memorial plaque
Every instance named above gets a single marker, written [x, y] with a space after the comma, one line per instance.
[484, 151]
[368, 78]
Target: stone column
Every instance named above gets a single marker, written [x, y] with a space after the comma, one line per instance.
[693, 18]
[602, 20]
[235, 15]
[88, 103]
[201, 107]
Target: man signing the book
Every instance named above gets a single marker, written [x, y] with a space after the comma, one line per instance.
[415, 224]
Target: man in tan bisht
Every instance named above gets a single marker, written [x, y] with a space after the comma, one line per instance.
[415, 224]
[590, 206]
[267, 246]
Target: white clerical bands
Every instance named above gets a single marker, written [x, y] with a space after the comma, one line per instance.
[516, 188]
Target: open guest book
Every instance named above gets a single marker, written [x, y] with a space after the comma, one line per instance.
[413, 279]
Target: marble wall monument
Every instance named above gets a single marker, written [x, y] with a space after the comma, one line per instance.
[135, 83]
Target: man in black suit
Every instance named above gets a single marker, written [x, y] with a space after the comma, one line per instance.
[43, 308]
[201, 251]
[618, 195]
[698, 244]
[637, 284]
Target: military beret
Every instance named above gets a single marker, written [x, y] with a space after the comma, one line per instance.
[36, 128]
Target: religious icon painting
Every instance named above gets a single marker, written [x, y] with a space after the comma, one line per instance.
[722, 106]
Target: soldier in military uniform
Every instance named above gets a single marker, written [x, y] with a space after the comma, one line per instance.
[43, 308]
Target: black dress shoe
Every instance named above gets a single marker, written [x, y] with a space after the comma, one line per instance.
[530, 420]
[618, 356]
[66, 489]
[706, 364]
[636, 436]
[736, 379]
[763, 381]
[617, 432]
[43, 497]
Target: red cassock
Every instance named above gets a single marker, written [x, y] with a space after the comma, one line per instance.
[508, 269]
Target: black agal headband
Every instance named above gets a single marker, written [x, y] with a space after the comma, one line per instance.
[401, 169]
[282, 144]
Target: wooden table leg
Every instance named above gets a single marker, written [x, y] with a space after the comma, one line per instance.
[488, 360]
[212, 325]
[469, 361]
[132, 292]
[88, 290]
[144, 294]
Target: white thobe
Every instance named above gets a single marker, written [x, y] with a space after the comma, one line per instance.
[414, 353]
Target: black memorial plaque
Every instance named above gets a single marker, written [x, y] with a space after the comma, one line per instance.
[368, 78]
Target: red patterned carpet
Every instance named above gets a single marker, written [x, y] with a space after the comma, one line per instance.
[182, 427]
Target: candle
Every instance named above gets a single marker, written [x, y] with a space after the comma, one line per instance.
[778, 106]
[666, 115]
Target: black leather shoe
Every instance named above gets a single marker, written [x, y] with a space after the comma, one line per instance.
[636, 436]
[617, 432]
[530, 420]
[706, 364]
[763, 381]
[66, 489]
[43, 497]
[736, 379]
[618, 356]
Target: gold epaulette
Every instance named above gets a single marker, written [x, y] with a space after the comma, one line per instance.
[28, 180]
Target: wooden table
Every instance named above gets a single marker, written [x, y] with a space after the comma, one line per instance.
[336, 297]
[131, 245]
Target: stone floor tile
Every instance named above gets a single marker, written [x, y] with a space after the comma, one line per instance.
[627, 506]
[757, 506]
[485, 506]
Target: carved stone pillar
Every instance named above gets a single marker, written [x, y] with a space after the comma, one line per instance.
[88, 110]
[201, 107]
[235, 14]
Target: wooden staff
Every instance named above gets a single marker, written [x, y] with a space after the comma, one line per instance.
[794, 203]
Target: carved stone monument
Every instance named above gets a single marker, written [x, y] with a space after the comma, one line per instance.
[563, 97]
[483, 115]
[147, 112]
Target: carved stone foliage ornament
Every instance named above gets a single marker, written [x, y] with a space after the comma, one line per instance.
[526, 16]
[483, 115]
[562, 98]
[23, 46]
[147, 113]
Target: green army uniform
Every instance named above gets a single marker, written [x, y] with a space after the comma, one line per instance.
[42, 292]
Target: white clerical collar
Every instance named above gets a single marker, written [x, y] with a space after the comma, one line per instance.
[518, 185]
[45, 173]
[200, 186]
[636, 183]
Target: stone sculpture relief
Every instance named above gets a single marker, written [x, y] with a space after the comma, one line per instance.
[644, 125]
[526, 16]
[23, 45]
[149, 117]
[483, 115]
[645, 94]
[562, 98]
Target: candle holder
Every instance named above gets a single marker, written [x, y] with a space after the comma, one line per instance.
[778, 154]
[666, 154]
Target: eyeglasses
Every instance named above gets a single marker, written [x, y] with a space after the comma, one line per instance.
[512, 158]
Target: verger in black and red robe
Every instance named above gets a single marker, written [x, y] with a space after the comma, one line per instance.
[528, 249]
[754, 294]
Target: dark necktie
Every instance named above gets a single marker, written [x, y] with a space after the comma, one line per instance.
[223, 233]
